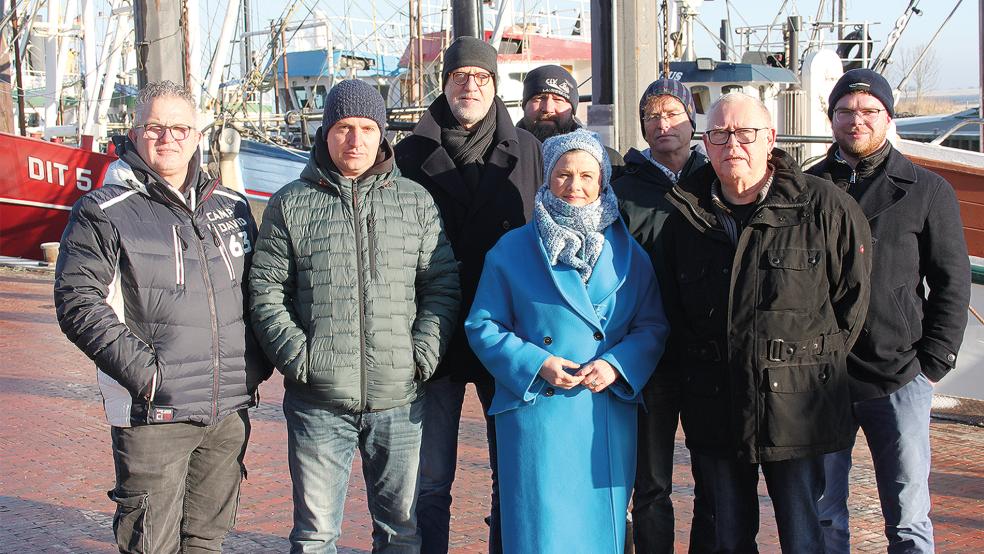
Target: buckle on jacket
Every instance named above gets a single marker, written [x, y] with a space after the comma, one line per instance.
[775, 350]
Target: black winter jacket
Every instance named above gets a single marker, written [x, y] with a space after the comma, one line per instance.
[153, 290]
[917, 234]
[761, 330]
[473, 222]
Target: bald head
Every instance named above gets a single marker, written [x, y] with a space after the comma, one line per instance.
[758, 114]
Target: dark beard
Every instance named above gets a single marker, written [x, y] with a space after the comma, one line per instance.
[543, 130]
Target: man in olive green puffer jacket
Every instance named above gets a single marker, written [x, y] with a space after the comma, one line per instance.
[354, 295]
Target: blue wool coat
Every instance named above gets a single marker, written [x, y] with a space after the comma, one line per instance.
[566, 458]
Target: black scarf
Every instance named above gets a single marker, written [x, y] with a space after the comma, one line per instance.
[468, 149]
[841, 173]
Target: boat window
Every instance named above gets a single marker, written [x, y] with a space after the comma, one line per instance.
[731, 88]
[702, 98]
[320, 94]
[301, 94]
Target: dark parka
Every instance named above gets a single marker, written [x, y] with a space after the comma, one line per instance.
[474, 222]
[153, 289]
[641, 192]
[761, 330]
[354, 288]
[917, 233]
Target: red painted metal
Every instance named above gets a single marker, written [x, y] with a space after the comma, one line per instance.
[39, 183]
[968, 182]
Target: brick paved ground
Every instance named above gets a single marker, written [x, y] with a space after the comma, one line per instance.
[56, 465]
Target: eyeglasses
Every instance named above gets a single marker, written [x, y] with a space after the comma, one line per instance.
[743, 135]
[460, 78]
[867, 114]
[669, 116]
[155, 131]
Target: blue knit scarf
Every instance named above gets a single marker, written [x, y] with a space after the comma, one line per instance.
[574, 235]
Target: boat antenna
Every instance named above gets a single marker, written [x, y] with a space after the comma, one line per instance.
[666, 39]
[929, 45]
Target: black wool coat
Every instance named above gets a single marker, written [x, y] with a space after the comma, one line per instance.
[473, 221]
[761, 329]
[917, 234]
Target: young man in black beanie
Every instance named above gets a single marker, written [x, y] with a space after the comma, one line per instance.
[483, 173]
[550, 100]
[912, 335]
[354, 295]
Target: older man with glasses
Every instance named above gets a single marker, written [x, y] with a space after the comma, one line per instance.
[149, 283]
[766, 292]
[483, 173]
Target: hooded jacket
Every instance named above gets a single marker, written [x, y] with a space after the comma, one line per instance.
[762, 328]
[917, 235]
[354, 289]
[474, 222]
[151, 287]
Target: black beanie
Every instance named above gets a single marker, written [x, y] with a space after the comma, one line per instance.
[354, 98]
[469, 52]
[553, 79]
[862, 80]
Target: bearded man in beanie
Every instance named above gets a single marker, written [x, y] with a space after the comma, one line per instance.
[912, 334]
[483, 173]
[549, 107]
[354, 294]
[667, 115]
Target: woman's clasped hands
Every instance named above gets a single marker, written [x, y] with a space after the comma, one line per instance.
[596, 375]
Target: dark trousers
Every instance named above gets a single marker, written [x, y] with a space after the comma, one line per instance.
[439, 460]
[731, 488]
[652, 508]
[177, 484]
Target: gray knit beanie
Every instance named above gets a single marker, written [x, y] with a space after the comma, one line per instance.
[581, 139]
[354, 98]
[468, 51]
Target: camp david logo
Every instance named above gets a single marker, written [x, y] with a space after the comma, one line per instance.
[559, 85]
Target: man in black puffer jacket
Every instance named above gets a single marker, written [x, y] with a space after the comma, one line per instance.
[150, 284]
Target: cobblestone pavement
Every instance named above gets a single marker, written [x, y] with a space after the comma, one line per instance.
[56, 464]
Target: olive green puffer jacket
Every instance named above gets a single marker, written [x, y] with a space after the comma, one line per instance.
[354, 288]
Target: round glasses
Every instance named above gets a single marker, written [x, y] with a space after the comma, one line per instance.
[460, 78]
[156, 131]
[744, 135]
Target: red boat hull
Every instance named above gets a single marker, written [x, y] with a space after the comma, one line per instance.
[39, 183]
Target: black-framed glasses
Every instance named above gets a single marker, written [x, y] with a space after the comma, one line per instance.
[744, 135]
[867, 114]
[665, 116]
[460, 78]
[155, 131]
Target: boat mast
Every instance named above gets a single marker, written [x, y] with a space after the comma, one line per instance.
[210, 100]
[18, 70]
[158, 38]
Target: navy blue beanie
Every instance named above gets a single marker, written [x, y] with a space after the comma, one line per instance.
[862, 80]
[553, 79]
[354, 98]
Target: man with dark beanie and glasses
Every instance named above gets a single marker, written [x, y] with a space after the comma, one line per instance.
[920, 290]
[483, 173]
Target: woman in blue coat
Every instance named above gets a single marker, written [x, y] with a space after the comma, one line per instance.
[568, 321]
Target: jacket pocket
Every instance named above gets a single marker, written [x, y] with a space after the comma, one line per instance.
[131, 523]
[792, 279]
[224, 252]
[806, 405]
[908, 313]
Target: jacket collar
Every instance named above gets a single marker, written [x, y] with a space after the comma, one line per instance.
[783, 206]
[133, 172]
[321, 169]
[500, 163]
[885, 188]
[637, 163]
[568, 282]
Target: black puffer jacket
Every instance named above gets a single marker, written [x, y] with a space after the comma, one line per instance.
[917, 233]
[474, 222]
[153, 290]
[761, 330]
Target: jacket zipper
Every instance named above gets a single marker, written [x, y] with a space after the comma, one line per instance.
[217, 239]
[210, 295]
[179, 271]
[357, 223]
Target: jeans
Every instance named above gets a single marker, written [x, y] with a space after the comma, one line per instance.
[177, 484]
[439, 460]
[652, 509]
[896, 428]
[731, 490]
[321, 443]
